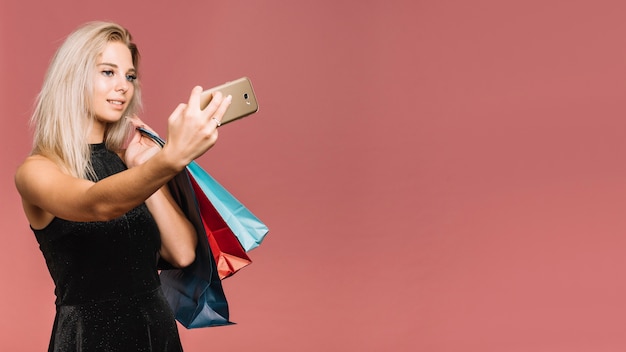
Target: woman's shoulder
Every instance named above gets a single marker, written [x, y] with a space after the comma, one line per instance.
[36, 161]
[37, 157]
[30, 181]
[35, 165]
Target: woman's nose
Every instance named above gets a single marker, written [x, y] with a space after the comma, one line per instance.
[122, 85]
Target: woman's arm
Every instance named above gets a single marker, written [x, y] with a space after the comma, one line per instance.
[47, 191]
[68, 198]
[178, 236]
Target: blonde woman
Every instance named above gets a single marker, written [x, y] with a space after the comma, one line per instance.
[101, 214]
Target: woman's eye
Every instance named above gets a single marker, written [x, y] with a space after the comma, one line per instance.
[107, 73]
[131, 78]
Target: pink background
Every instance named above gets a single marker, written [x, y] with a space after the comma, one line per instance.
[437, 175]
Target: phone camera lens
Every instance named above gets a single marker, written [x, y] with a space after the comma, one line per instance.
[245, 96]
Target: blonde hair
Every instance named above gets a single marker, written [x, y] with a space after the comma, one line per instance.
[64, 111]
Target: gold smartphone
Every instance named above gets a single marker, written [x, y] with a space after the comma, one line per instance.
[244, 100]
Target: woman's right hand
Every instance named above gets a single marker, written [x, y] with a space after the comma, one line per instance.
[191, 130]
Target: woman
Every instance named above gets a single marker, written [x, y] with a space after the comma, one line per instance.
[103, 215]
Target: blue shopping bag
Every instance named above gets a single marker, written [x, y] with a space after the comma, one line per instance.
[194, 293]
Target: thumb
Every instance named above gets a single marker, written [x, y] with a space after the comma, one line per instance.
[135, 121]
[136, 137]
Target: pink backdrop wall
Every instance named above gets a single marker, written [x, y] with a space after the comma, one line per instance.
[437, 175]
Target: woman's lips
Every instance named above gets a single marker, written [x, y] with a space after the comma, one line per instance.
[117, 104]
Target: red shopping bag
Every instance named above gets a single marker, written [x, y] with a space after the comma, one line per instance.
[229, 255]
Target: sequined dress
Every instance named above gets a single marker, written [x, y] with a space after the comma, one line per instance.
[108, 293]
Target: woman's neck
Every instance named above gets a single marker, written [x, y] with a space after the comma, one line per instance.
[96, 134]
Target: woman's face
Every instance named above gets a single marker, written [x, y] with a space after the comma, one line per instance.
[113, 83]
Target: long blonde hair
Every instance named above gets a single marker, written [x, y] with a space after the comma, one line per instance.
[64, 111]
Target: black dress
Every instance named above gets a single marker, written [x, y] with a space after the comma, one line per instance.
[108, 293]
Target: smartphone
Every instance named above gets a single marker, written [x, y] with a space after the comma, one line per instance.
[244, 101]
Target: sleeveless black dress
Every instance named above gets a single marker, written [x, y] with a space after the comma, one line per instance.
[108, 293]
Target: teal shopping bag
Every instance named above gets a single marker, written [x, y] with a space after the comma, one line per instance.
[250, 231]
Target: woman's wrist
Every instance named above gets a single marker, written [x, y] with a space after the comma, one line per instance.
[171, 161]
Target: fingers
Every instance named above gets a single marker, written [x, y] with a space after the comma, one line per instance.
[194, 98]
[210, 109]
[177, 112]
[193, 130]
[213, 111]
[135, 121]
[221, 110]
[136, 138]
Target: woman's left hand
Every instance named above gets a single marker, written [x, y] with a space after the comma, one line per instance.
[140, 148]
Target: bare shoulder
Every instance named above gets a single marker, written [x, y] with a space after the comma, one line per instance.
[30, 181]
[33, 166]
[38, 177]
[37, 159]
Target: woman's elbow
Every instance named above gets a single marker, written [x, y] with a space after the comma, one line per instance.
[104, 212]
[183, 260]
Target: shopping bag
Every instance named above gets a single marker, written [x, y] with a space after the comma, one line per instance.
[194, 293]
[228, 254]
[250, 231]
[246, 226]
